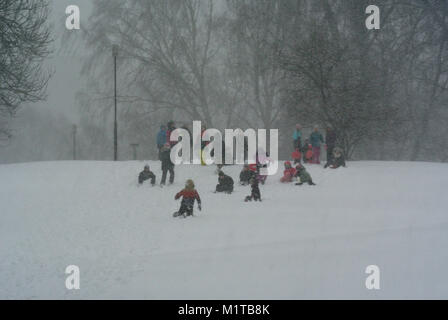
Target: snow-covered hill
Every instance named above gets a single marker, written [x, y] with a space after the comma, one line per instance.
[300, 242]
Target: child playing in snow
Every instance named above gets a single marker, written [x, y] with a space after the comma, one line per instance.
[288, 173]
[337, 160]
[189, 195]
[307, 152]
[297, 156]
[255, 191]
[303, 176]
[225, 183]
[246, 174]
[146, 174]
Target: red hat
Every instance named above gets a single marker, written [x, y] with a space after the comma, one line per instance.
[253, 167]
[287, 163]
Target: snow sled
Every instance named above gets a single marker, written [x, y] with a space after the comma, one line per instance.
[184, 215]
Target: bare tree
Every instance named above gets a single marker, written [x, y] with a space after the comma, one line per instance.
[24, 44]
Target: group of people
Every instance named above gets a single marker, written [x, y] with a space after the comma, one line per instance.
[307, 151]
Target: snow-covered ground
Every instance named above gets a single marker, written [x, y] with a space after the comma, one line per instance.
[300, 242]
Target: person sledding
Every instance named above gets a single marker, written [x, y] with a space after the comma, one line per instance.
[189, 195]
[246, 174]
[146, 174]
[255, 194]
[337, 160]
[288, 173]
[303, 176]
[225, 183]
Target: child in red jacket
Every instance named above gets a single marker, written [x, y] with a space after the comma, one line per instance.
[189, 195]
[296, 156]
[307, 152]
[288, 173]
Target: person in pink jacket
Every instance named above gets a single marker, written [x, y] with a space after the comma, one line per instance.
[288, 173]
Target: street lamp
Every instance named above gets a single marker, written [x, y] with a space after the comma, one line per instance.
[115, 54]
[74, 128]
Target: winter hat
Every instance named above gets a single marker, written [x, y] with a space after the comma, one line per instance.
[253, 167]
[189, 184]
[146, 167]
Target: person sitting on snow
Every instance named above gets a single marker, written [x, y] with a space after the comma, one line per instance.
[255, 191]
[225, 183]
[189, 195]
[288, 173]
[145, 175]
[303, 176]
[246, 174]
[338, 159]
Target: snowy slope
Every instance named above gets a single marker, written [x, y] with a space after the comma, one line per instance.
[300, 242]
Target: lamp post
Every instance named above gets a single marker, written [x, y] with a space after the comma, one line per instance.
[74, 141]
[115, 54]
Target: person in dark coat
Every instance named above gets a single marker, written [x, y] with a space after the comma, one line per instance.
[169, 131]
[255, 191]
[246, 174]
[167, 165]
[146, 174]
[161, 138]
[225, 183]
[330, 141]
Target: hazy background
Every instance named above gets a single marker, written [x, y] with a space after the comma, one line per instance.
[43, 130]
[247, 64]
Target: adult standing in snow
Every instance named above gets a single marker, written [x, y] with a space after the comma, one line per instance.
[170, 129]
[316, 139]
[330, 141]
[161, 138]
[297, 137]
[167, 165]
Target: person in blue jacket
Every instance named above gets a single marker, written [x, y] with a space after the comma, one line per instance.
[316, 139]
[297, 137]
[161, 138]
